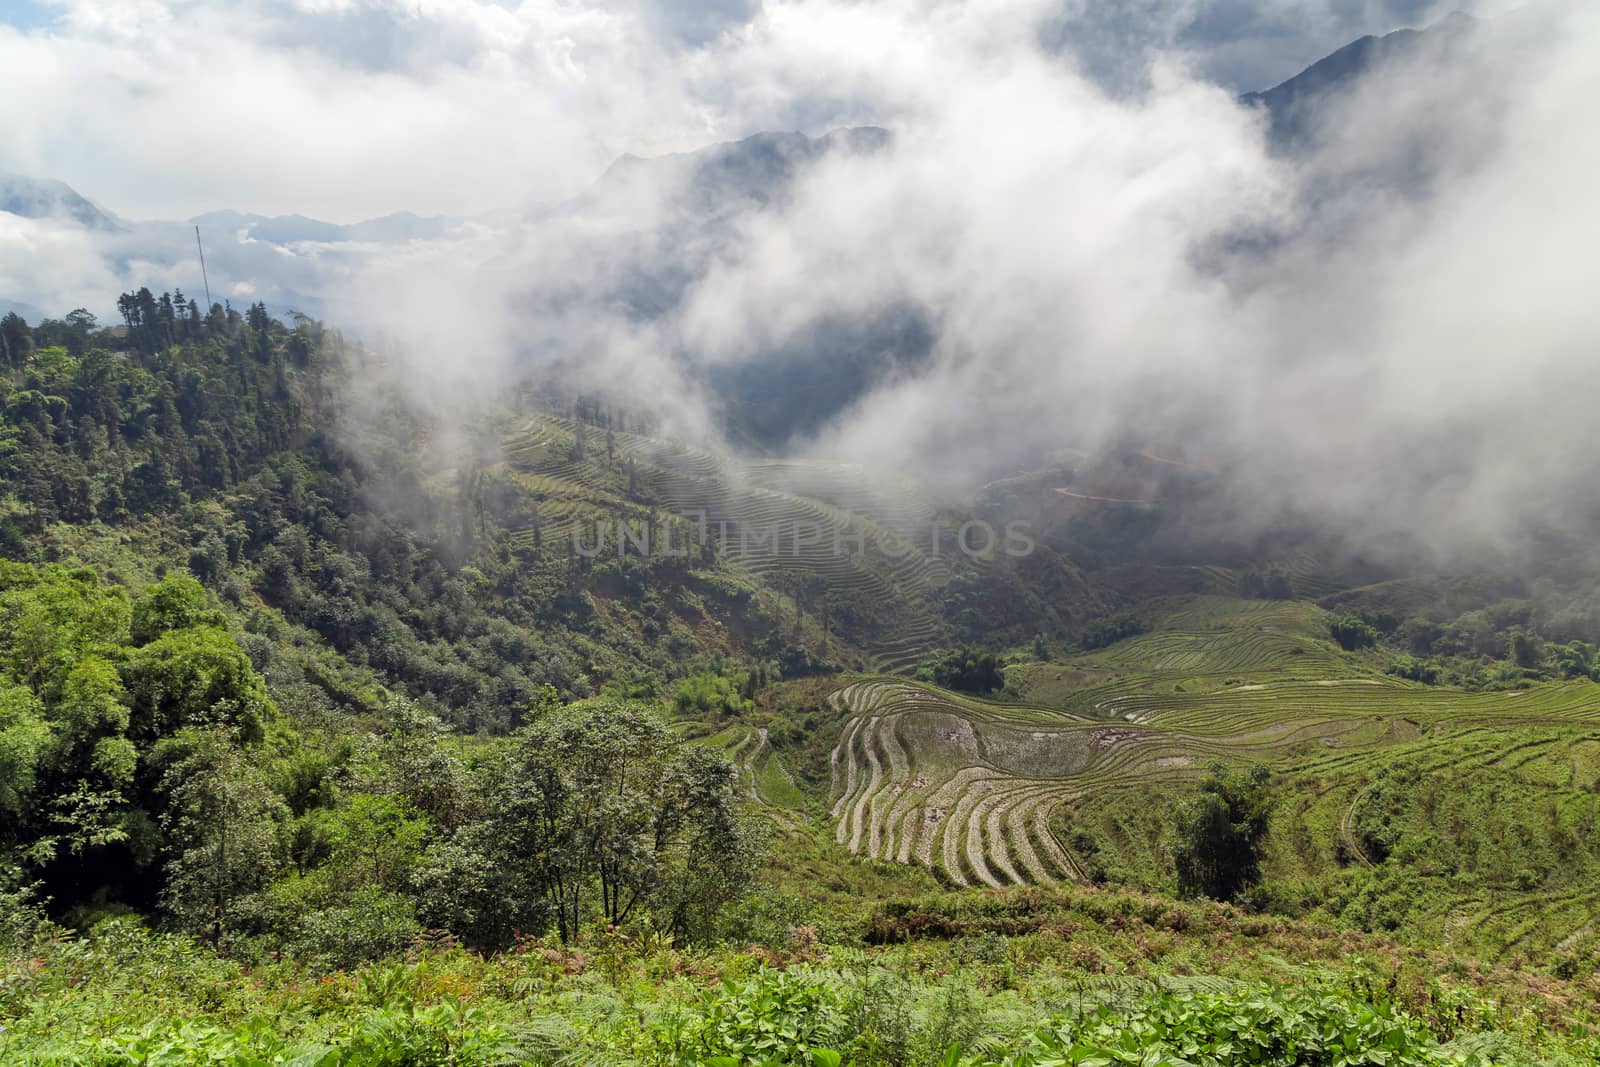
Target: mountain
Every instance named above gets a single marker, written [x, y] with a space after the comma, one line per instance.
[27, 311]
[296, 229]
[1296, 106]
[42, 198]
[754, 171]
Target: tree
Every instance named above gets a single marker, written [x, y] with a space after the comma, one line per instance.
[24, 735]
[174, 603]
[1218, 833]
[707, 855]
[602, 766]
[1525, 648]
[967, 668]
[493, 879]
[708, 694]
[51, 618]
[1352, 632]
[221, 823]
[195, 677]
[16, 340]
[597, 811]
[1576, 659]
[1109, 631]
[376, 841]
[1278, 586]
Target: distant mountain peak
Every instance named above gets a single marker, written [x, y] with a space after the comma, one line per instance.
[1290, 102]
[754, 168]
[46, 198]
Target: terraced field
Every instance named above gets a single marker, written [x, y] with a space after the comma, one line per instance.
[762, 774]
[867, 547]
[968, 787]
[987, 793]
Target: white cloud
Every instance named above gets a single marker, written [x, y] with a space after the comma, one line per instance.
[1417, 360]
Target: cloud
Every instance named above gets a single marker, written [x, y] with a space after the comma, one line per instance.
[1389, 333]
[1241, 44]
[343, 110]
[1410, 353]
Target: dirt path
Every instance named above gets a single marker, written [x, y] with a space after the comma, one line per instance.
[1347, 828]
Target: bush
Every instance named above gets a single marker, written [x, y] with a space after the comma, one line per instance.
[20, 916]
[372, 926]
[967, 668]
[1415, 670]
[1352, 633]
[1110, 631]
[1219, 832]
[1269, 1026]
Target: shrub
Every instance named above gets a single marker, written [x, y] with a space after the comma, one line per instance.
[1352, 632]
[1260, 1025]
[967, 668]
[372, 926]
[1110, 631]
[1415, 670]
[1219, 832]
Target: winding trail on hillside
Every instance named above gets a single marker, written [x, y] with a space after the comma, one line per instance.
[1347, 828]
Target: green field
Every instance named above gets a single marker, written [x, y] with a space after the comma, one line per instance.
[1071, 782]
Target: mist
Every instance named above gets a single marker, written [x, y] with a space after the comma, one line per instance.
[1387, 330]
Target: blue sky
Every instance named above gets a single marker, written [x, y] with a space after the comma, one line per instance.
[24, 14]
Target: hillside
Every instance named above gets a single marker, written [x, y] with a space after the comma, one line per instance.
[313, 685]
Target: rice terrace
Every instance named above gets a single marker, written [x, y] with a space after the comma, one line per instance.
[991, 793]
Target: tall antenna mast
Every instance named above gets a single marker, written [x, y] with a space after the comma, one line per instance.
[203, 277]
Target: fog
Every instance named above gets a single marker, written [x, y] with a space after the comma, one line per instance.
[1386, 327]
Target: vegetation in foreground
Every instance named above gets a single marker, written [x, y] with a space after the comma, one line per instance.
[1019, 977]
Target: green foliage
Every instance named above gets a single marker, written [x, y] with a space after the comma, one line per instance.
[1110, 631]
[92, 729]
[177, 602]
[122, 995]
[1577, 659]
[1274, 585]
[775, 1017]
[1261, 1025]
[709, 696]
[1415, 670]
[195, 677]
[222, 827]
[51, 618]
[24, 735]
[1218, 832]
[372, 924]
[1352, 633]
[303, 749]
[967, 668]
[375, 840]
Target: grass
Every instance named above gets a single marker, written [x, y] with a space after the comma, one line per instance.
[998, 977]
